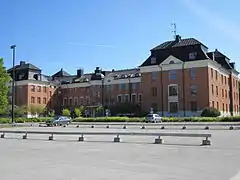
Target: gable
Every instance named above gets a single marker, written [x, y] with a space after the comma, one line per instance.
[171, 60]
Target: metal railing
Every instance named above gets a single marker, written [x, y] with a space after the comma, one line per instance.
[158, 140]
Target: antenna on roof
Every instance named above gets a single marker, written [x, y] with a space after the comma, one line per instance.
[174, 30]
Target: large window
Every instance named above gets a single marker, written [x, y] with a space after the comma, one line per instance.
[217, 90]
[39, 100]
[32, 100]
[192, 73]
[173, 107]
[154, 76]
[154, 91]
[133, 98]
[193, 90]
[44, 89]
[172, 74]
[119, 98]
[38, 88]
[33, 88]
[44, 100]
[172, 90]
[193, 106]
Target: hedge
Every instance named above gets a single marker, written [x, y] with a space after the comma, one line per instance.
[129, 119]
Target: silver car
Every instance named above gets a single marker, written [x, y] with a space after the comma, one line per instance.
[59, 121]
[154, 118]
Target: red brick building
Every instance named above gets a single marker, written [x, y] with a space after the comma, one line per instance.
[179, 78]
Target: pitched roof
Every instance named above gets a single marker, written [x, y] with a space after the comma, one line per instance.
[25, 66]
[180, 43]
[61, 73]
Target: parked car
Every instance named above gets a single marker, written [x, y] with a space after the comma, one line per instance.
[154, 118]
[59, 121]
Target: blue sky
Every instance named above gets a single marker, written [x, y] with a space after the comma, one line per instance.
[70, 34]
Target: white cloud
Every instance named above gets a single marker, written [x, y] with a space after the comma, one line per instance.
[224, 26]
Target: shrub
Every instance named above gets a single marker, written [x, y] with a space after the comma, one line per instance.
[77, 112]
[210, 112]
[66, 112]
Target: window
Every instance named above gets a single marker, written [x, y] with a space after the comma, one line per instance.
[222, 92]
[216, 75]
[226, 93]
[81, 100]
[75, 101]
[192, 55]
[223, 105]
[44, 100]
[193, 90]
[172, 74]
[126, 87]
[225, 80]
[133, 86]
[32, 100]
[126, 98]
[226, 107]
[133, 98]
[119, 87]
[154, 76]
[192, 73]
[153, 60]
[171, 62]
[38, 88]
[33, 88]
[70, 101]
[213, 104]
[212, 89]
[233, 82]
[140, 97]
[64, 101]
[234, 95]
[172, 90]
[173, 107]
[154, 91]
[119, 98]
[44, 89]
[193, 106]
[222, 78]
[217, 105]
[216, 90]
[211, 72]
[39, 100]
[87, 100]
[50, 93]
[112, 87]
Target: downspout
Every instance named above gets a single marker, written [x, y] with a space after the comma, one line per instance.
[183, 86]
[230, 94]
[162, 94]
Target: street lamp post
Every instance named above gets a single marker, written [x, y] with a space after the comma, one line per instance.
[129, 88]
[102, 78]
[13, 47]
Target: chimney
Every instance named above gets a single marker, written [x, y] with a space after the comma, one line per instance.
[80, 72]
[178, 38]
[22, 63]
[113, 70]
[213, 56]
[97, 70]
[232, 65]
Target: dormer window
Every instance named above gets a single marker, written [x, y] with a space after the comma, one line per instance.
[153, 60]
[192, 55]
[171, 62]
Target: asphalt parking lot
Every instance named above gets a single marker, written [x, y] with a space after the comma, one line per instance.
[134, 158]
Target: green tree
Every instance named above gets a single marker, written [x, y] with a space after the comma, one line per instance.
[51, 113]
[21, 111]
[77, 112]
[4, 79]
[66, 112]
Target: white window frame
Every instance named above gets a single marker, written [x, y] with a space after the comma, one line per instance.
[119, 95]
[134, 94]
[172, 85]
[169, 106]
